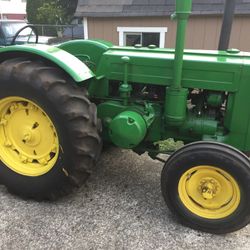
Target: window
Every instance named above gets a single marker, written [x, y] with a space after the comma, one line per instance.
[145, 39]
[129, 36]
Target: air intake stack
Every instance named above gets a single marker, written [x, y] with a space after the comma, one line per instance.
[176, 96]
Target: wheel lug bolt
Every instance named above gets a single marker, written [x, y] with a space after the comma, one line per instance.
[54, 148]
[13, 107]
[27, 137]
[7, 143]
[3, 122]
[23, 159]
[43, 161]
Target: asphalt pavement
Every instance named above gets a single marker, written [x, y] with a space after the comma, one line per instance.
[120, 207]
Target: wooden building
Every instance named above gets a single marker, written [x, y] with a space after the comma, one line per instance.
[128, 22]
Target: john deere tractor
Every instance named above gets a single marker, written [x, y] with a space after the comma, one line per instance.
[59, 104]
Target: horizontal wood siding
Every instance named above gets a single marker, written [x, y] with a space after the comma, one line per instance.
[203, 31]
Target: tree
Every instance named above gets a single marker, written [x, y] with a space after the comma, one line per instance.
[51, 11]
[31, 9]
[70, 7]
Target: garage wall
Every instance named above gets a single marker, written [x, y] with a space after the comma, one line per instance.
[203, 31]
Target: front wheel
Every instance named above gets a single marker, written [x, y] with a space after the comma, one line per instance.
[48, 129]
[206, 185]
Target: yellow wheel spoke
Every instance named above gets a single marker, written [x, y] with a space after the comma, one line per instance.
[29, 144]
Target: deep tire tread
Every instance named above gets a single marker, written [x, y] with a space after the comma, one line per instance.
[73, 105]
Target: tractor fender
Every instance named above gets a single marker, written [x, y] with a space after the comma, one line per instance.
[88, 51]
[64, 60]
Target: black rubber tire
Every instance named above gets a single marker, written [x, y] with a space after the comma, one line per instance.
[218, 155]
[75, 121]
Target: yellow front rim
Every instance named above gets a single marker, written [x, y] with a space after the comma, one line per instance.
[29, 143]
[209, 192]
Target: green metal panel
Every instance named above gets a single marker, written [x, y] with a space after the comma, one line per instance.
[237, 120]
[215, 71]
[88, 51]
[73, 66]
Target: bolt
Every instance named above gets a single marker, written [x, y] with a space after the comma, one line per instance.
[32, 107]
[48, 158]
[30, 160]
[207, 194]
[54, 148]
[43, 161]
[7, 143]
[3, 122]
[13, 107]
[131, 120]
[212, 181]
[23, 159]
[27, 137]
[210, 186]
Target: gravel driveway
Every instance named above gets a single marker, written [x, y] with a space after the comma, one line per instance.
[121, 207]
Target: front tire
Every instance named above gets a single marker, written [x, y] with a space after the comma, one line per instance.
[49, 130]
[206, 185]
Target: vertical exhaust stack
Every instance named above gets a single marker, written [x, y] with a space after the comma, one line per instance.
[227, 23]
[176, 96]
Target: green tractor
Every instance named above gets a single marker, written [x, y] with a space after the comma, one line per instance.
[59, 104]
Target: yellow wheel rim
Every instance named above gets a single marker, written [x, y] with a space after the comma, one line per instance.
[28, 140]
[209, 192]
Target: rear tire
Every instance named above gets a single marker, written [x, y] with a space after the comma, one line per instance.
[206, 185]
[62, 104]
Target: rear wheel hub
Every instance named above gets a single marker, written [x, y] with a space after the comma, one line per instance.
[30, 143]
